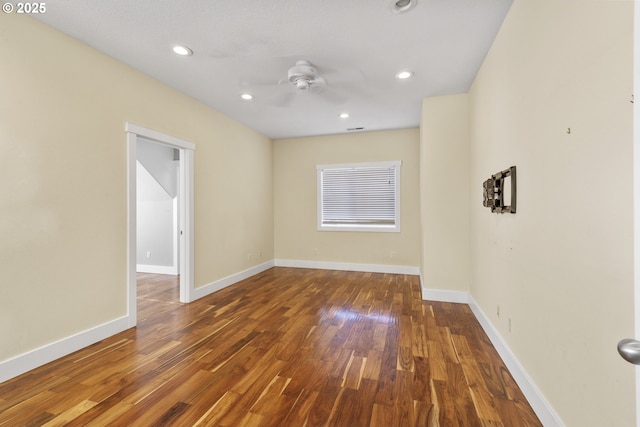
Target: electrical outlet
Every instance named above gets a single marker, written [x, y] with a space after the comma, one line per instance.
[315, 251]
[392, 254]
[498, 310]
[148, 254]
[248, 257]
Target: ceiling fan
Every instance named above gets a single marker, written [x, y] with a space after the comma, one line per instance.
[303, 78]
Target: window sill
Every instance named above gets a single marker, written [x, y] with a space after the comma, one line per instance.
[365, 228]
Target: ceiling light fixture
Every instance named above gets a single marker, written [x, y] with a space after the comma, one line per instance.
[246, 96]
[344, 115]
[402, 6]
[403, 75]
[182, 50]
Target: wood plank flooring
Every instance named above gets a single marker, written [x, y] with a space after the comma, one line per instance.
[286, 348]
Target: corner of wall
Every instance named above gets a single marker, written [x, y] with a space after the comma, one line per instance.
[445, 193]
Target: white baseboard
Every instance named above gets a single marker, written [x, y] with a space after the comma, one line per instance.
[445, 296]
[229, 280]
[157, 269]
[40, 356]
[372, 268]
[538, 402]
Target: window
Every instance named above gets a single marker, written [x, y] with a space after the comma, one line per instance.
[359, 196]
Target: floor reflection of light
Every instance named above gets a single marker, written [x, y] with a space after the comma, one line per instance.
[342, 314]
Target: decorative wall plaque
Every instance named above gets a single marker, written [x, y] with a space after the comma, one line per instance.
[494, 191]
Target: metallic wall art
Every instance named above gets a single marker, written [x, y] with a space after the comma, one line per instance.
[494, 191]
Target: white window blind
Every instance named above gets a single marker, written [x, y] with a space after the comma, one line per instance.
[360, 196]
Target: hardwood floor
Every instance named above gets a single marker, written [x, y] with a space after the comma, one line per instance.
[286, 348]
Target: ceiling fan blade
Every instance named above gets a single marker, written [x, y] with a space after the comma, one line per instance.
[342, 76]
[284, 100]
[333, 96]
[321, 82]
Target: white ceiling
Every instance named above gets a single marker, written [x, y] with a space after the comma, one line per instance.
[248, 45]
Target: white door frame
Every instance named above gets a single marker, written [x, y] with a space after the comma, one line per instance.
[636, 188]
[185, 208]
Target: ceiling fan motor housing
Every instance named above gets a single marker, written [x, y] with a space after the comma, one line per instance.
[302, 75]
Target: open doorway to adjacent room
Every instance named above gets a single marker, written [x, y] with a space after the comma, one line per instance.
[160, 218]
[157, 220]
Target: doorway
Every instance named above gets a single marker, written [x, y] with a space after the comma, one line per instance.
[157, 208]
[185, 149]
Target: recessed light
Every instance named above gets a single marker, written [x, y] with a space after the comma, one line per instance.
[403, 75]
[182, 50]
[344, 115]
[402, 6]
[246, 96]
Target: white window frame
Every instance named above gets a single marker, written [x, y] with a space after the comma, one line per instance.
[394, 228]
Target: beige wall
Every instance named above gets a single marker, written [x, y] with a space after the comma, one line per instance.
[63, 225]
[444, 193]
[296, 234]
[562, 267]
